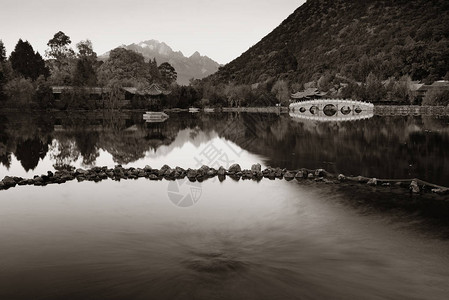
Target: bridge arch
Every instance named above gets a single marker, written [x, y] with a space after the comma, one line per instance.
[332, 109]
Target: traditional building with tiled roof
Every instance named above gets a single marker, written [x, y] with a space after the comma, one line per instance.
[308, 94]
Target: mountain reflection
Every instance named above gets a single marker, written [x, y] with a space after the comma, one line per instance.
[383, 147]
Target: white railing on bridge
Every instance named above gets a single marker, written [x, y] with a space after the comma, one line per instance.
[337, 118]
[338, 102]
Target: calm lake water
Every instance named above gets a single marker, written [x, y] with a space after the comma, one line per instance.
[240, 240]
[381, 147]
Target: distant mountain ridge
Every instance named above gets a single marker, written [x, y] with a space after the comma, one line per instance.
[196, 66]
[349, 38]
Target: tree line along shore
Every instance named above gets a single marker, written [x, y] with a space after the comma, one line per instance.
[77, 80]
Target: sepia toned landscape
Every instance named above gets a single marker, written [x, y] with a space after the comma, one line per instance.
[226, 150]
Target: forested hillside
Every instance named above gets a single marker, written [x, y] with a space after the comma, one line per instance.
[334, 40]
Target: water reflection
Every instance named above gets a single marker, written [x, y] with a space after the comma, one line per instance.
[245, 240]
[331, 115]
[382, 147]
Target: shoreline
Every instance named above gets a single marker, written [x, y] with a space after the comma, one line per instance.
[380, 110]
[386, 110]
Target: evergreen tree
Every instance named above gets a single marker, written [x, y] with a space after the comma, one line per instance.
[2, 52]
[2, 67]
[26, 62]
[21, 58]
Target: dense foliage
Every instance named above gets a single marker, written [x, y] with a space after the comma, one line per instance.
[85, 71]
[26, 62]
[351, 42]
[26, 79]
[3, 69]
[2, 52]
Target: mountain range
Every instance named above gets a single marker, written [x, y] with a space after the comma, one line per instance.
[349, 39]
[196, 66]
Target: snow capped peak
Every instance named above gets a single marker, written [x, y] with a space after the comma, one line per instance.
[195, 66]
[160, 47]
[151, 42]
[146, 45]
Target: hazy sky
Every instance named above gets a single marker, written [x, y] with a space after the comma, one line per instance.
[220, 29]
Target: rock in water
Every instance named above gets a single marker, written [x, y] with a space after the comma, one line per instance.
[211, 172]
[247, 174]
[9, 182]
[439, 191]
[162, 170]
[300, 175]
[203, 171]
[81, 172]
[256, 168]
[118, 171]
[372, 181]
[258, 175]
[362, 179]
[221, 171]
[320, 173]
[289, 176]
[165, 168]
[38, 180]
[234, 169]
[191, 174]
[414, 187]
[278, 172]
[180, 170]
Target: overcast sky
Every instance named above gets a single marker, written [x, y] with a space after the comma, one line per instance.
[220, 29]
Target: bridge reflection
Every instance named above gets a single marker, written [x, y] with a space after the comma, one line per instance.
[331, 110]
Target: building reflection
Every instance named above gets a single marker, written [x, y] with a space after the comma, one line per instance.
[383, 147]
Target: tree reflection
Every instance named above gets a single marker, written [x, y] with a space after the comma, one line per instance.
[64, 153]
[25, 136]
[383, 147]
[5, 157]
[87, 143]
[29, 152]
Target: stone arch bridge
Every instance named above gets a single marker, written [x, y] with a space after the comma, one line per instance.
[331, 110]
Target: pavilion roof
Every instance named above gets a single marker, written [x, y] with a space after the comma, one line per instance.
[310, 92]
[153, 90]
[437, 85]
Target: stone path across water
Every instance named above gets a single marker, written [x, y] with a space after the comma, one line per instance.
[97, 174]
